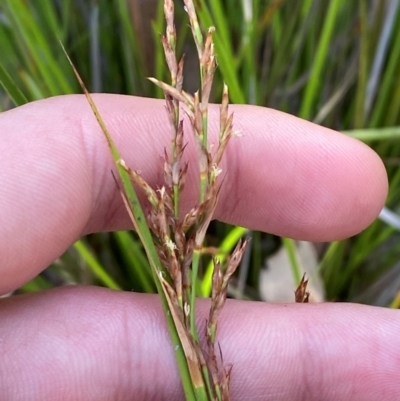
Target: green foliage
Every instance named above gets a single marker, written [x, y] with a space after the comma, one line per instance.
[333, 62]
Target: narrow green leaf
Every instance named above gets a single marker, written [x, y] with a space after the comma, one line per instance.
[136, 262]
[291, 250]
[11, 88]
[39, 283]
[226, 247]
[95, 266]
[36, 48]
[375, 134]
[320, 58]
[359, 115]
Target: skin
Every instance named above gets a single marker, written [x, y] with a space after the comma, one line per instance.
[285, 175]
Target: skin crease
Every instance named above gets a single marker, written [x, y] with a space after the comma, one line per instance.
[284, 175]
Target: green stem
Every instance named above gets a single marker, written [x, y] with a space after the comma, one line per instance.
[176, 200]
[359, 115]
[11, 88]
[203, 186]
[174, 157]
[195, 270]
[291, 251]
[316, 74]
[95, 266]
[206, 376]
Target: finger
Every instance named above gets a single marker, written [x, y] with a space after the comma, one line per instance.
[285, 175]
[95, 344]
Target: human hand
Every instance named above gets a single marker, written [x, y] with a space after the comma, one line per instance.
[285, 176]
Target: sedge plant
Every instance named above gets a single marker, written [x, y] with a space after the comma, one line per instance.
[174, 243]
[332, 56]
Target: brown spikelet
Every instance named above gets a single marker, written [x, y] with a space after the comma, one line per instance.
[138, 180]
[181, 96]
[301, 294]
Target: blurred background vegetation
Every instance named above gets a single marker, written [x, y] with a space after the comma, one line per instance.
[334, 62]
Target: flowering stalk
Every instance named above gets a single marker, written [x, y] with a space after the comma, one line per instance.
[189, 250]
[174, 243]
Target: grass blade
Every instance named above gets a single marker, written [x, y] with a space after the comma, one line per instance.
[312, 89]
[95, 266]
[11, 88]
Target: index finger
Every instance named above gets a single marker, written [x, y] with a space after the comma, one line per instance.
[284, 175]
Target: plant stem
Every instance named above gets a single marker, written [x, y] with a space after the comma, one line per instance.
[195, 270]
